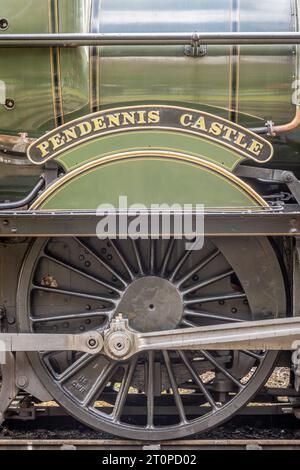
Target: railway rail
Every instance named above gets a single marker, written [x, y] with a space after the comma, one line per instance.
[181, 445]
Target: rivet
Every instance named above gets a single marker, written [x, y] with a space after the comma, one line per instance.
[3, 24]
[9, 103]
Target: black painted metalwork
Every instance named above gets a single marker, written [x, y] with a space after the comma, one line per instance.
[26, 200]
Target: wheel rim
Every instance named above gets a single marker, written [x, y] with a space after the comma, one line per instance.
[76, 285]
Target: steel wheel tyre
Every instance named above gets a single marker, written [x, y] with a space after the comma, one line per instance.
[75, 285]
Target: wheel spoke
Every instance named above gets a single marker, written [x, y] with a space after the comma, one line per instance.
[167, 257]
[150, 390]
[259, 357]
[174, 386]
[73, 316]
[214, 298]
[197, 268]
[123, 392]
[207, 282]
[152, 255]
[210, 316]
[97, 388]
[74, 368]
[102, 262]
[180, 263]
[189, 365]
[122, 259]
[137, 256]
[72, 293]
[82, 273]
[186, 322]
[222, 369]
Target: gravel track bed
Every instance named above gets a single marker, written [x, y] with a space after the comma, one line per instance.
[285, 427]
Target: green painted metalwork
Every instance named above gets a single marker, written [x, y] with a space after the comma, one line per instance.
[151, 140]
[52, 87]
[147, 181]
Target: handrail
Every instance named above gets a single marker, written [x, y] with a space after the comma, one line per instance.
[136, 39]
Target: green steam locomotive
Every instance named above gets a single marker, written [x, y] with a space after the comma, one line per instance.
[149, 211]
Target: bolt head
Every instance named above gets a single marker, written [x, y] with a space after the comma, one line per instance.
[92, 343]
[22, 381]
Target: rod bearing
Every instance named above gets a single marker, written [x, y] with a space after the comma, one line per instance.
[118, 344]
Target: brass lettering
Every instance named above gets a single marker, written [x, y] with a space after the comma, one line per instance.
[70, 134]
[154, 117]
[239, 140]
[114, 120]
[141, 117]
[57, 141]
[229, 133]
[99, 124]
[85, 128]
[256, 147]
[43, 148]
[186, 120]
[216, 128]
[129, 118]
[200, 124]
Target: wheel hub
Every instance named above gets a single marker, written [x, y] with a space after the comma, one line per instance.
[118, 344]
[152, 304]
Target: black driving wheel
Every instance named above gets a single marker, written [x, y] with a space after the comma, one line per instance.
[70, 285]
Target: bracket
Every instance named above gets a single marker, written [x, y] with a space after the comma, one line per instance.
[272, 176]
[196, 49]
